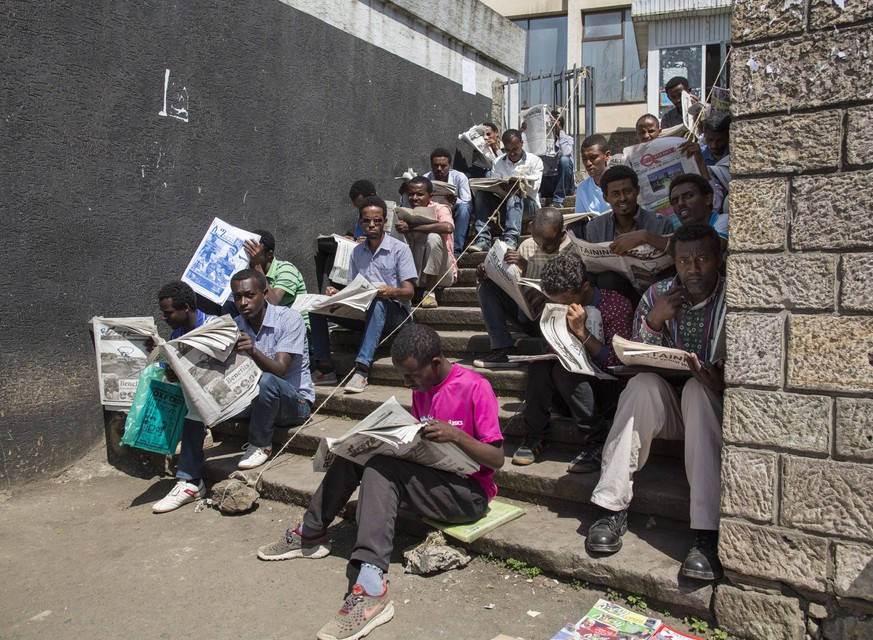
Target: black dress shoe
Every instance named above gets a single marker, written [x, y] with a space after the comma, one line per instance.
[604, 536]
[702, 561]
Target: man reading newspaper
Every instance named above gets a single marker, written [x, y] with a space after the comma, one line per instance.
[680, 312]
[458, 406]
[461, 201]
[590, 401]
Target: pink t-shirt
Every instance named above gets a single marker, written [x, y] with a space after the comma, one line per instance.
[444, 214]
[465, 400]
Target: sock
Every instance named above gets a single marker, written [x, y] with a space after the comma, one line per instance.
[370, 578]
[307, 532]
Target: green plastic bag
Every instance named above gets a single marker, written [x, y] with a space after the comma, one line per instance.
[156, 413]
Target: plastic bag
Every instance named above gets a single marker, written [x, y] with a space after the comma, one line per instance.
[156, 413]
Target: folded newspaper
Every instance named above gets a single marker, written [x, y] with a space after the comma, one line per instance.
[352, 302]
[501, 185]
[342, 258]
[442, 189]
[610, 620]
[475, 139]
[571, 353]
[538, 131]
[392, 431]
[418, 215]
[642, 265]
[119, 344]
[641, 354]
[219, 256]
[525, 292]
[657, 163]
[570, 218]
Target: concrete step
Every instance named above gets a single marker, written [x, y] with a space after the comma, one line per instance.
[548, 537]
[451, 318]
[467, 275]
[459, 296]
[471, 259]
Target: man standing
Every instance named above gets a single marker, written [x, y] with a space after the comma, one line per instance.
[683, 312]
[564, 145]
[459, 407]
[461, 202]
[431, 244]
[515, 199]
[674, 89]
[385, 262]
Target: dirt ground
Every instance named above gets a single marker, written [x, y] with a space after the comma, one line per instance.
[83, 556]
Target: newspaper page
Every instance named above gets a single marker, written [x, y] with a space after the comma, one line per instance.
[570, 218]
[119, 344]
[218, 257]
[352, 302]
[538, 132]
[442, 189]
[719, 102]
[218, 380]
[342, 259]
[609, 620]
[418, 215]
[641, 265]
[641, 354]
[475, 139]
[500, 186]
[657, 163]
[571, 353]
[693, 113]
[392, 431]
[666, 633]
[508, 276]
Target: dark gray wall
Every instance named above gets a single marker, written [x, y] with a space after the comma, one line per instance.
[103, 199]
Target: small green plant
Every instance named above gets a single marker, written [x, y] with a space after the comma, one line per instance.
[613, 595]
[576, 585]
[666, 613]
[696, 624]
[718, 634]
[521, 567]
[637, 602]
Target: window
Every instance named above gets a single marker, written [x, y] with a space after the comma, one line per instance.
[609, 45]
[546, 54]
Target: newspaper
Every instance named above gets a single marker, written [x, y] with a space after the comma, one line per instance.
[641, 265]
[693, 113]
[342, 259]
[442, 189]
[352, 302]
[218, 257]
[570, 218]
[657, 163]
[418, 215]
[500, 185]
[475, 139]
[392, 431]
[609, 620]
[719, 102]
[524, 291]
[538, 132]
[649, 355]
[119, 344]
[571, 353]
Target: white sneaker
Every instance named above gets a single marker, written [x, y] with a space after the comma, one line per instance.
[358, 383]
[183, 493]
[254, 457]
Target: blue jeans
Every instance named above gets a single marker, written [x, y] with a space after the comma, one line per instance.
[497, 309]
[191, 457]
[461, 212]
[566, 180]
[514, 207]
[383, 315]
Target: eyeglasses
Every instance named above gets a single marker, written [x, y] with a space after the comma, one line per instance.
[368, 221]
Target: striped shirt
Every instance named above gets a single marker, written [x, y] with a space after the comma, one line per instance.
[537, 258]
[285, 276]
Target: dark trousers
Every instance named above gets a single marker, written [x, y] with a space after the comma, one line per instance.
[388, 484]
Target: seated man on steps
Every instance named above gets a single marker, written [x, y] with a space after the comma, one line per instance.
[458, 406]
[387, 263]
[591, 402]
[461, 202]
[548, 239]
[681, 312]
[431, 244]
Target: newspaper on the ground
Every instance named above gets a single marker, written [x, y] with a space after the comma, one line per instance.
[352, 302]
[474, 138]
[392, 431]
[538, 132]
[571, 353]
[418, 215]
[219, 256]
[641, 265]
[218, 380]
[342, 259]
[119, 344]
[609, 620]
[656, 163]
[666, 633]
[525, 292]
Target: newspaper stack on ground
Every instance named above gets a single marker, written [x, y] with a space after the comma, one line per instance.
[392, 431]
[609, 620]
[641, 265]
[569, 350]
[218, 380]
[418, 215]
[121, 357]
[657, 163]
[352, 302]
[538, 133]
[524, 291]
[475, 139]
[219, 256]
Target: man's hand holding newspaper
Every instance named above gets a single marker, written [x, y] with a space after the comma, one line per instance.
[352, 302]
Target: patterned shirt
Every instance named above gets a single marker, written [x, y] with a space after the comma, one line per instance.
[285, 276]
[537, 258]
[616, 311]
[692, 329]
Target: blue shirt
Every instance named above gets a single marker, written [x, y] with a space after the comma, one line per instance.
[462, 184]
[391, 264]
[283, 331]
[589, 197]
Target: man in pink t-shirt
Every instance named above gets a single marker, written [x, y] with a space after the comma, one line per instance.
[458, 406]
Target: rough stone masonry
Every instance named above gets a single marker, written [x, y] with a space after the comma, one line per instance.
[797, 528]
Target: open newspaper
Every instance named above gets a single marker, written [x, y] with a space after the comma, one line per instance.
[352, 302]
[501, 185]
[525, 292]
[641, 354]
[693, 113]
[475, 139]
[656, 163]
[570, 218]
[219, 256]
[342, 259]
[119, 344]
[418, 215]
[538, 132]
[610, 620]
[570, 351]
[442, 189]
[392, 431]
[642, 265]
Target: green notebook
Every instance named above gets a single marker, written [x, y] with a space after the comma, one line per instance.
[499, 513]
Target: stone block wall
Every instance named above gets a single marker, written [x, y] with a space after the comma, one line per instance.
[797, 525]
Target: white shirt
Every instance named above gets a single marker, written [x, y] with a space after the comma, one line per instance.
[529, 165]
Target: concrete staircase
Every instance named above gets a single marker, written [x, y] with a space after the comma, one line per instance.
[551, 533]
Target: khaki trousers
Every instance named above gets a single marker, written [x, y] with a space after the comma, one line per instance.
[648, 408]
[431, 257]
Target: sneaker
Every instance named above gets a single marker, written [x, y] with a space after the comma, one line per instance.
[254, 457]
[360, 614]
[528, 452]
[477, 247]
[183, 493]
[702, 561]
[586, 462]
[498, 359]
[358, 383]
[324, 378]
[294, 545]
[511, 243]
[429, 302]
[604, 536]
